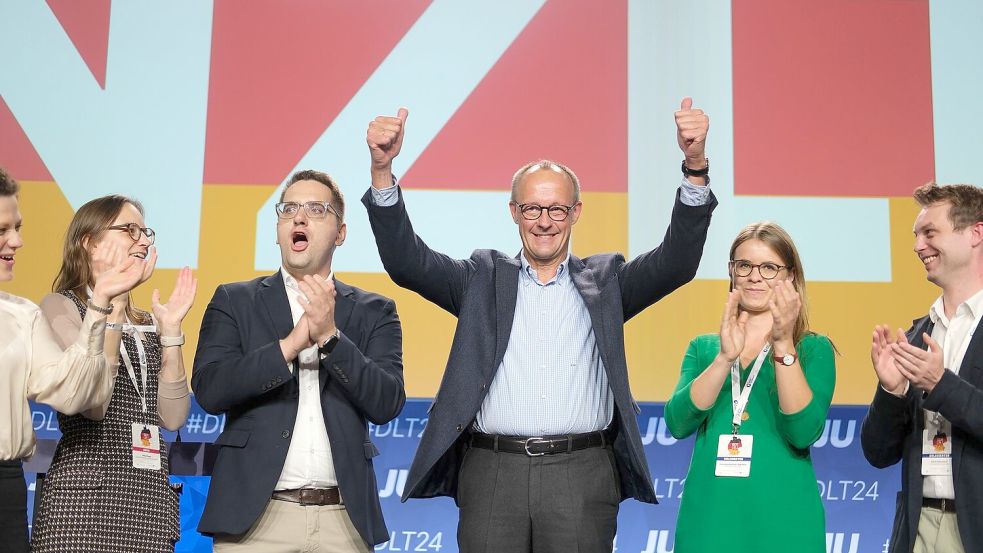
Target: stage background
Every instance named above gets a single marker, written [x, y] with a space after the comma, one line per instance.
[824, 117]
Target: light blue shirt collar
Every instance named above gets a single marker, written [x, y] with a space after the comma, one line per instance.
[562, 275]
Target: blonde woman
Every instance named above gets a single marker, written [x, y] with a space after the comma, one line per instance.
[756, 396]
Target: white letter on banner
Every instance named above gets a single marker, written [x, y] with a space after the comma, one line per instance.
[432, 70]
[658, 76]
[144, 135]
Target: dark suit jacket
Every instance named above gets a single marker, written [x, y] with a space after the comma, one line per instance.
[892, 432]
[481, 291]
[239, 370]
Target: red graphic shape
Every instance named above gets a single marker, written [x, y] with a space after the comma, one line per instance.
[560, 91]
[282, 71]
[17, 154]
[832, 98]
[86, 22]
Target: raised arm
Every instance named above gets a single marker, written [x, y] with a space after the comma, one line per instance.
[654, 274]
[80, 378]
[173, 396]
[408, 260]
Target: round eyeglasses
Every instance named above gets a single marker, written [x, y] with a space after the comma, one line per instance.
[135, 230]
[534, 211]
[315, 210]
[768, 271]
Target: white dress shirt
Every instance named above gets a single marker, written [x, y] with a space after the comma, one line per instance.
[954, 336]
[309, 463]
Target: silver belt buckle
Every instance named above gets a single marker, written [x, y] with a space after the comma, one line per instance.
[526, 447]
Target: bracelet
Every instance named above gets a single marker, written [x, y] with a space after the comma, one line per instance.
[97, 309]
[169, 341]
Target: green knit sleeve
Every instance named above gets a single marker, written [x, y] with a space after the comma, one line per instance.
[682, 416]
[803, 428]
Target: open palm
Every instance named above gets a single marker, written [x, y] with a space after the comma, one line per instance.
[172, 313]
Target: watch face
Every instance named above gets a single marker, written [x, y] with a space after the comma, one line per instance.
[788, 359]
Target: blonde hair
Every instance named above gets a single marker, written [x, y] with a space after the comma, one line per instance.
[776, 238]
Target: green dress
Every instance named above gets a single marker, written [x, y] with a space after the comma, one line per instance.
[777, 508]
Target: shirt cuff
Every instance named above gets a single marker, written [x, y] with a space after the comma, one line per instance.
[693, 195]
[385, 197]
[903, 392]
[92, 333]
[173, 390]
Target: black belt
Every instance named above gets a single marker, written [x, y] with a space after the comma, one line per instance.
[945, 505]
[310, 496]
[542, 445]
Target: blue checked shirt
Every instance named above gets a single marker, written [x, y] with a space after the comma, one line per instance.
[552, 380]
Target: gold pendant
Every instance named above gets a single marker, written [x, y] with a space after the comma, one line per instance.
[745, 416]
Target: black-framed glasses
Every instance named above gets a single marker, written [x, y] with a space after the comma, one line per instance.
[767, 270]
[314, 209]
[135, 230]
[534, 211]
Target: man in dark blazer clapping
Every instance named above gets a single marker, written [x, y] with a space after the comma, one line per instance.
[927, 410]
[533, 430]
[299, 362]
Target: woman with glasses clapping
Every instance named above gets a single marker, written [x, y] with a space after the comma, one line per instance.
[107, 488]
[756, 395]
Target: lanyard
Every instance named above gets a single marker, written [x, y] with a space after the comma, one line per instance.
[141, 358]
[741, 396]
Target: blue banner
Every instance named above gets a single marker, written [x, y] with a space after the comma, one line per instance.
[858, 498]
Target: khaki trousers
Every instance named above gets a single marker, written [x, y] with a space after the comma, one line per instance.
[286, 527]
[937, 532]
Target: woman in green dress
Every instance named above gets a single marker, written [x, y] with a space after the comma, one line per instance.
[756, 395]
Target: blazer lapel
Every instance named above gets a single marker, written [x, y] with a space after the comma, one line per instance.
[583, 279]
[506, 291]
[343, 307]
[274, 297]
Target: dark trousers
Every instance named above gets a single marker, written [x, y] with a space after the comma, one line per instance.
[561, 503]
[13, 507]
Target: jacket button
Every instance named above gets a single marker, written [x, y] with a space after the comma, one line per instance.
[285, 434]
[482, 387]
[460, 427]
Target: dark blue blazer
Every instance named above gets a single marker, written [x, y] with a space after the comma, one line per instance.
[239, 371]
[481, 292]
[892, 432]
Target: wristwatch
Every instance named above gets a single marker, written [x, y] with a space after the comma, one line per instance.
[696, 172]
[788, 359]
[329, 344]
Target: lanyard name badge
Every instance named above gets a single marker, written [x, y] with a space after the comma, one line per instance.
[734, 450]
[145, 437]
[937, 442]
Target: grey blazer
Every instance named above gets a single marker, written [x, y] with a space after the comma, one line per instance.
[892, 432]
[481, 292]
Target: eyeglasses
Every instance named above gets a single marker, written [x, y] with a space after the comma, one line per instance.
[768, 271]
[315, 210]
[534, 211]
[135, 230]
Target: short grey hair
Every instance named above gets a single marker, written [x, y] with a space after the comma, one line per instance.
[546, 165]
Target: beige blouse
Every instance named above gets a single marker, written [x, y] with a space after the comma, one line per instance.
[173, 398]
[34, 367]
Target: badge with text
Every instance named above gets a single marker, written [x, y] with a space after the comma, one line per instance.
[146, 446]
[734, 455]
[936, 453]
